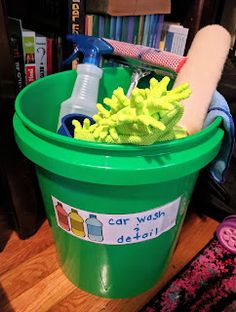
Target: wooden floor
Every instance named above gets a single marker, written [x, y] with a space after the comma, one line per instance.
[31, 279]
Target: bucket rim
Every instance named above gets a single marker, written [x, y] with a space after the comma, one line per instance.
[75, 143]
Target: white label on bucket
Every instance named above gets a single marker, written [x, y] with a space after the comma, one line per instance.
[116, 229]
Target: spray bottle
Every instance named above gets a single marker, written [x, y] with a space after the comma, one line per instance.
[83, 99]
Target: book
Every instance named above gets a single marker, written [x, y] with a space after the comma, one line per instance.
[158, 32]
[146, 30]
[125, 28]
[118, 28]
[49, 45]
[86, 25]
[136, 26]
[41, 56]
[76, 16]
[152, 29]
[75, 22]
[58, 54]
[95, 25]
[15, 34]
[176, 38]
[28, 39]
[140, 29]
[89, 30]
[130, 29]
[101, 26]
[179, 40]
[128, 8]
[164, 32]
[168, 41]
[107, 21]
[113, 27]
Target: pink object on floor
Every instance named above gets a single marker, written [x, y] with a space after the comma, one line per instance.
[148, 55]
[226, 233]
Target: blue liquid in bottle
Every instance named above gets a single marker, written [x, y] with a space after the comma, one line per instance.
[94, 227]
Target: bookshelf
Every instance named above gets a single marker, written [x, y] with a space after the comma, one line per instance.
[196, 14]
[23, 204]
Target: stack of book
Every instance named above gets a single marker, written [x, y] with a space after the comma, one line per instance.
[134, 21]
[32, 53]
[142, 29]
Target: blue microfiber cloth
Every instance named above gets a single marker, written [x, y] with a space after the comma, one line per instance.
[219, 107]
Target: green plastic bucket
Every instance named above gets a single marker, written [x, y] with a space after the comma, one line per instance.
[115, 210]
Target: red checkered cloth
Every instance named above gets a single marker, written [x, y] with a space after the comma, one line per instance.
[148, 55]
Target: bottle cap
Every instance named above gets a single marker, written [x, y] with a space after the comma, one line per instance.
[92, 216]
[74, 210]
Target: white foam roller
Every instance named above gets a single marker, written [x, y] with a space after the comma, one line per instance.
[202, 70]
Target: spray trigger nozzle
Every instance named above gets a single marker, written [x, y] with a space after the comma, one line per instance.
[91, 47]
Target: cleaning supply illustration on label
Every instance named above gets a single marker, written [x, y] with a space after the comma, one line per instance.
[148, 116]
[62, 216]
[94, 227]
[83, 99]
[77, 223]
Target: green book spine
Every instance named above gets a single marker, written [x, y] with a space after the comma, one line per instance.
[124, 30]
[136, 26]
[107, 26]
[95, 25]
